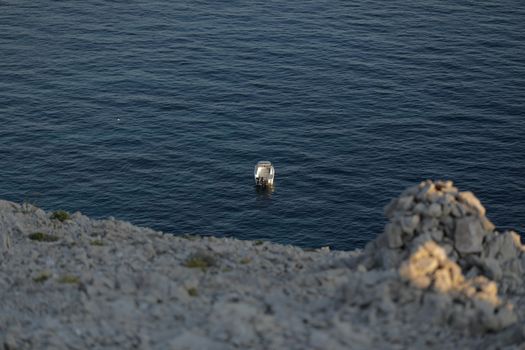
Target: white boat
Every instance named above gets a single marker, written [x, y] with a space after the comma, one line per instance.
[264, 174]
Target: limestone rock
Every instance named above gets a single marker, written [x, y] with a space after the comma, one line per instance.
[409, 223]
[468, 235]
[393, 234]
[434, 210]
[405, 203]
[471, 200]
[492, 268]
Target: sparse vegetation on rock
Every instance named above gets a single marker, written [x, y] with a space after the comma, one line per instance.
[60, 215]
[42, 277]
[200, 260]
[97, 242]
[43, 237]
[69, 279]
[192, 292]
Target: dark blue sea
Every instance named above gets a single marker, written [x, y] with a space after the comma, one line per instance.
[156, 111]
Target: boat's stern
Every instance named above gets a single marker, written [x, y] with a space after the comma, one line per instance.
[264, 174]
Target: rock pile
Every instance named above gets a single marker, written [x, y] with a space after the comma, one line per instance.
[440, 240]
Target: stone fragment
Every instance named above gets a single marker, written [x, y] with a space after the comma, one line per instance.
[409, 223]
[429, 224]
[449, 225]
[471, 200]
[442, 281]
[484, 289]
[449, 198]
[422, 264]
[405, 203]
[425, 265]
[468, 235]
[447, 208]
[421, 239]
[455, 272]
[492, 268]
[420, 208]
[510, 246]
[434, 210]
[501, 318]
[421, 282]
[393, 234]
[437, 235]
[455, 210]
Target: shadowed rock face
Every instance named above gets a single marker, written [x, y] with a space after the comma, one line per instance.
[439, 276]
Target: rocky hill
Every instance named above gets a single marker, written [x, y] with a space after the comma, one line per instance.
[439, 276]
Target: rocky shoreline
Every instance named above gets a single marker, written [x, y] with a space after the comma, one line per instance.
[439, 276]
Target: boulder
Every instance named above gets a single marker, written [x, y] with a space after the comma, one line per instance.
[405, 203]
[468, 235]
[492, 268]
[409, 223]
[434, 210]
[393, 235]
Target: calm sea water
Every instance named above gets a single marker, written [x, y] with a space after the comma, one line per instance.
[156, 111]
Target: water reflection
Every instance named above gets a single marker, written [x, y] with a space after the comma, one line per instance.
[264, 193]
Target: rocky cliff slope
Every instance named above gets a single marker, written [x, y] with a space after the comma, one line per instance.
[439, 276]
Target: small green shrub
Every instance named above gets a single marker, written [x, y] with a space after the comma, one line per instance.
[258, 242]
[245, 261]
[192, 292]
[97, 242]
[60, 215]
[201, 261]
[43, 237]
[69, 279]
[42, 277]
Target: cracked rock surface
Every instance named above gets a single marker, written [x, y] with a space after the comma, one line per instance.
[439, 276]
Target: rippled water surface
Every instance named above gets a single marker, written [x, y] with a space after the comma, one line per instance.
[156, 111]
